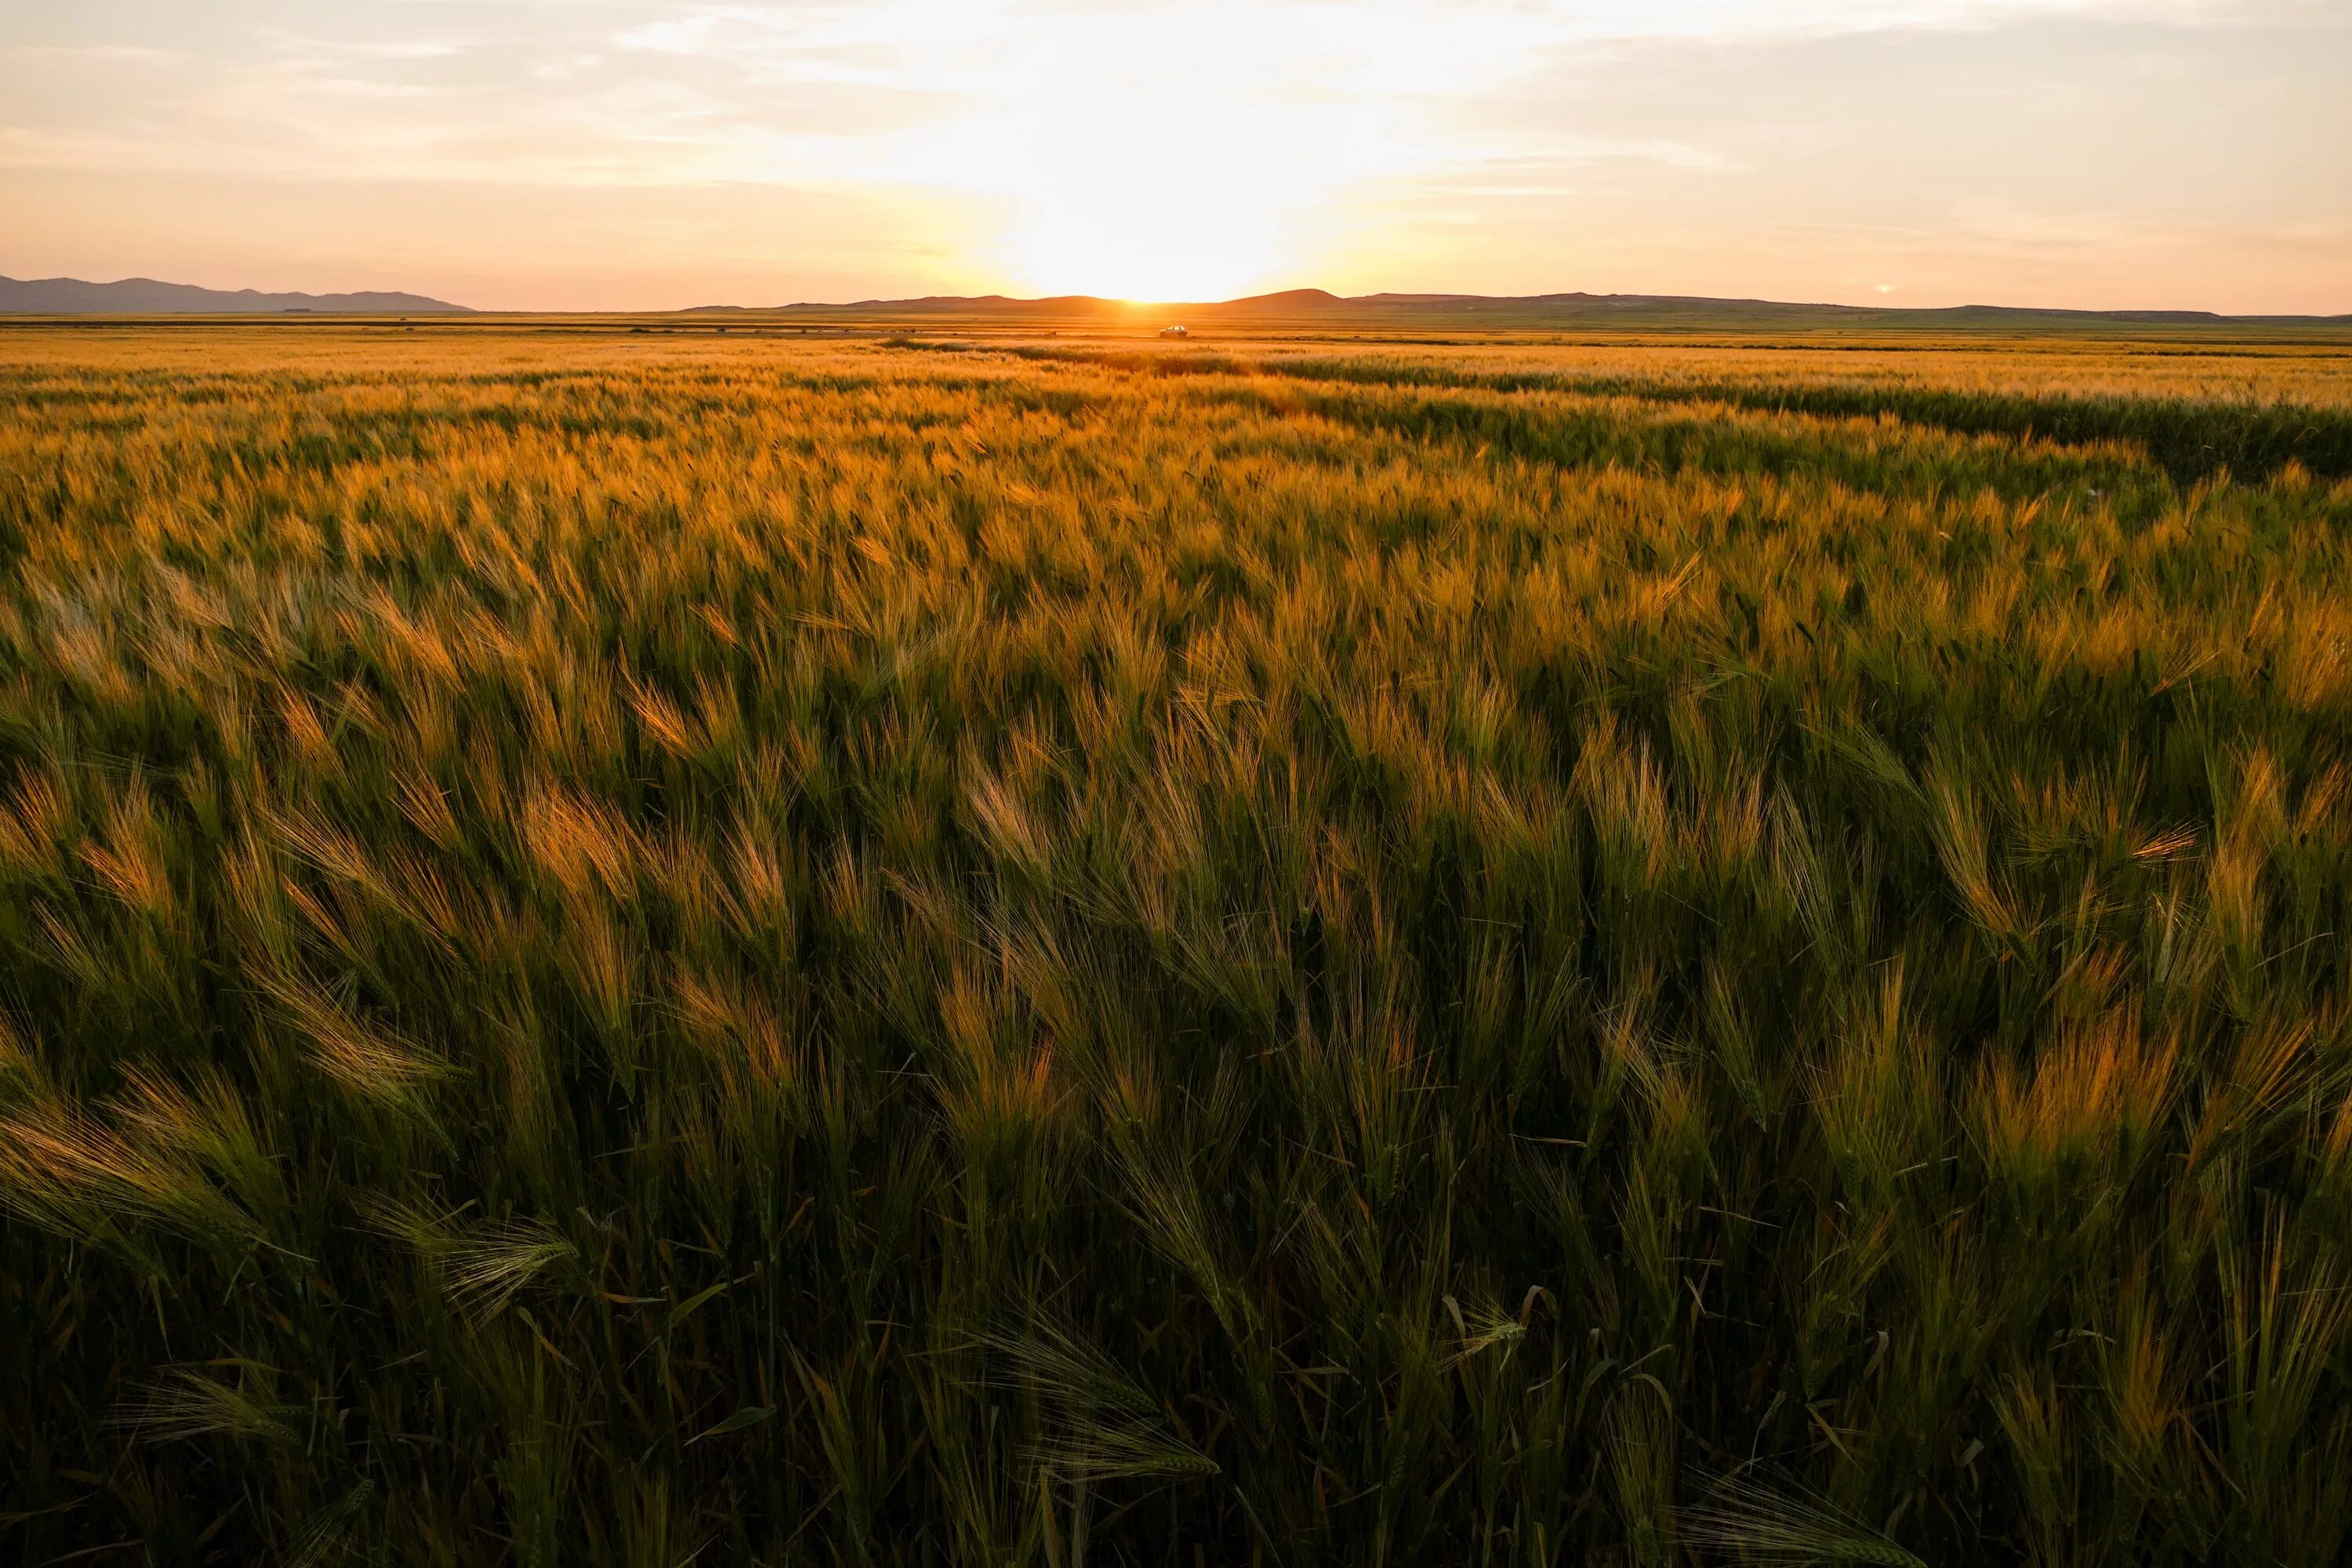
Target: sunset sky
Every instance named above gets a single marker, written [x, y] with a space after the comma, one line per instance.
[631, 155]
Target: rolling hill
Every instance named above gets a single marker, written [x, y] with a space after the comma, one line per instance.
[1316, 307]
[147, 296]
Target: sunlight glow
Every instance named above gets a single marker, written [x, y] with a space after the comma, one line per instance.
[653, 154]
[1152, 159]
[1128, 196]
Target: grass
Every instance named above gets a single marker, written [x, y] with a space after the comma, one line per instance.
[625, 951]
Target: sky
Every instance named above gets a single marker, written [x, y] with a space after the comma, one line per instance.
[638, 154]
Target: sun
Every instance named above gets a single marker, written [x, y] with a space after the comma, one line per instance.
[1136, 163]
[1158, 245]
[1141, 195]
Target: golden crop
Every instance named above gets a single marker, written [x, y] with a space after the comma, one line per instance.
[614, 946]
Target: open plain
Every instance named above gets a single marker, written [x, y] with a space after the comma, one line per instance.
[883, 943]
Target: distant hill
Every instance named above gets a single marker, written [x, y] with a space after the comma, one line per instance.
[1316, 307]
[146, 297]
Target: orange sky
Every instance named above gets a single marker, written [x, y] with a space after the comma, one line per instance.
[581, 153]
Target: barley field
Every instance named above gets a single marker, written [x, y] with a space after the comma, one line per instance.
[627, 948]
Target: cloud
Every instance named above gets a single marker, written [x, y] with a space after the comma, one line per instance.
[1436, 134]
[685, 36]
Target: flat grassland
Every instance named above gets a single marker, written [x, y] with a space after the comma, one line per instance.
[621, 945]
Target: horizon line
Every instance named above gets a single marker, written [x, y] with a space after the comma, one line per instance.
[1309, 297]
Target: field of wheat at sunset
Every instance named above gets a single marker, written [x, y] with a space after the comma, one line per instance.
[1028, 783]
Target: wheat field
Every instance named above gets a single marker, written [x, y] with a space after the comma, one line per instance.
[641, 949]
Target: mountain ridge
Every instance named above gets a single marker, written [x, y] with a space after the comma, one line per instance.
[1567, 309]
[149, 296]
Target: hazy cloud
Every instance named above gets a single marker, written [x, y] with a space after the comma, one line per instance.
[1335, 140]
